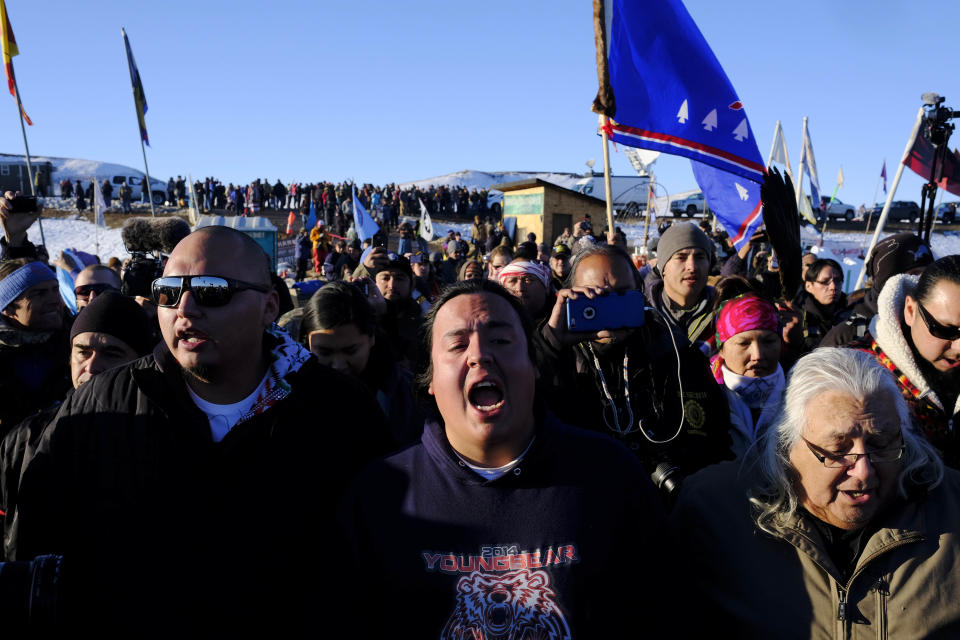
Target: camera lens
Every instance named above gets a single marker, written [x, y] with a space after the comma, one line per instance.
[589, 313]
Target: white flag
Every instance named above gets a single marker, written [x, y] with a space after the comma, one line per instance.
[806, 211]
[426, 224]
[98, 204]
[840, 178]
[810, 166]
[778, 152]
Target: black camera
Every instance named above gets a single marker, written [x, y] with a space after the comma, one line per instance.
[23, 204]
[667, 478]
[147, 239]
[139, 274]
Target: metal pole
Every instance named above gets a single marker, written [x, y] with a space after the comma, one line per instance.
[26, 148]
[146, 171]
[893, 189]
[606, 174]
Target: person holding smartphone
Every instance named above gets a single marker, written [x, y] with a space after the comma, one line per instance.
[644, 384]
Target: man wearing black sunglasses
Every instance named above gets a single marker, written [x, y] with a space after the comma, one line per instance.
[93, 281]
[198, 483]
[916, 335]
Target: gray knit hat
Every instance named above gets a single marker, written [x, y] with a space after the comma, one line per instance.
[682, 236]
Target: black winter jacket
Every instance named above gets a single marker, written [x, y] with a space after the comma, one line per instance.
[573, 391]
[34, 371]
[166, 533]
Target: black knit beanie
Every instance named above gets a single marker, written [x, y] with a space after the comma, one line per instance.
[119, 316]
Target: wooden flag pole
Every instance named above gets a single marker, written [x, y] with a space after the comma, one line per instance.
[606, 173]
[651, 192]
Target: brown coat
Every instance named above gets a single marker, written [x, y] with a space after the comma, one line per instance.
[744, 583]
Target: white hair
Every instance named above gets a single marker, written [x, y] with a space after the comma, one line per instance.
[838, 370]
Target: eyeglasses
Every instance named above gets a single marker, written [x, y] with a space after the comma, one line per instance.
[208, 291]
[936, 329]
[846, 460]
[84, 290]
[826, 283]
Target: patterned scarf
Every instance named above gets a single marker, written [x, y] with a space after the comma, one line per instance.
[285, 358]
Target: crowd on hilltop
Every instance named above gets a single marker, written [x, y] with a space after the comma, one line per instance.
[331, 199]
[476, 431]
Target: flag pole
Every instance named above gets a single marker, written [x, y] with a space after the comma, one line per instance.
[146, 171]
[26, 148]
[800, 164]
[96, 215]
[893, 189]
[866, 229]
[876, 189]
[651, 193]
[606, 173]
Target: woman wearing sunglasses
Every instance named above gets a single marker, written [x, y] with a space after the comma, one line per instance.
[916, 335]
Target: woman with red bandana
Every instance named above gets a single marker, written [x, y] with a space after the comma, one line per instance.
[747, 361]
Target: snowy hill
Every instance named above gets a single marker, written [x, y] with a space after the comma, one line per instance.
[74, 169]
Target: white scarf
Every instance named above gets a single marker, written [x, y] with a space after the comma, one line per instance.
[754, 392]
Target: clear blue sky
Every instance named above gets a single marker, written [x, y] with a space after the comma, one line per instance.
[397, 91]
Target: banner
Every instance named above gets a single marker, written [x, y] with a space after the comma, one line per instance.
[810, 168]
[312, 217]
[99, 205]
[10, 49]
[920, 161]
[139, 98]
[426, 224]
[778, 152]
[663, 89]
[366, 226]
[666, 90]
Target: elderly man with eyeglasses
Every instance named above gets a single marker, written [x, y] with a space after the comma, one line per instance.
[844, 522]
[190, 491]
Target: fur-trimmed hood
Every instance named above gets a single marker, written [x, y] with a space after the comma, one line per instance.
[886, 328]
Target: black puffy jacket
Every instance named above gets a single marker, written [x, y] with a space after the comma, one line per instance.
[165, 532]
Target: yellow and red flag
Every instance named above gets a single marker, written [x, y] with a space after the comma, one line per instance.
[9, 50]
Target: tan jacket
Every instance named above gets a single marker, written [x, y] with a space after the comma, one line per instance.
[748, 584]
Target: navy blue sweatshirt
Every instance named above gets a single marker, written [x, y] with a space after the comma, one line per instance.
[568, 542]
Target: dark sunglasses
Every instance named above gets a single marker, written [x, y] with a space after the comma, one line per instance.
[84, 290]
[936, 329]
[208, 291]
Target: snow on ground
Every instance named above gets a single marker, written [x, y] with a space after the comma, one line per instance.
[64, 233]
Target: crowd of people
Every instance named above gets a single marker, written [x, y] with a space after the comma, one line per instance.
[331, 201]
[434, 443]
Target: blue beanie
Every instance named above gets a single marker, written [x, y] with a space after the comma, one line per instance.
[17, 283]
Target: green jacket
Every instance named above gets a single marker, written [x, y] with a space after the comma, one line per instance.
[748, 584]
